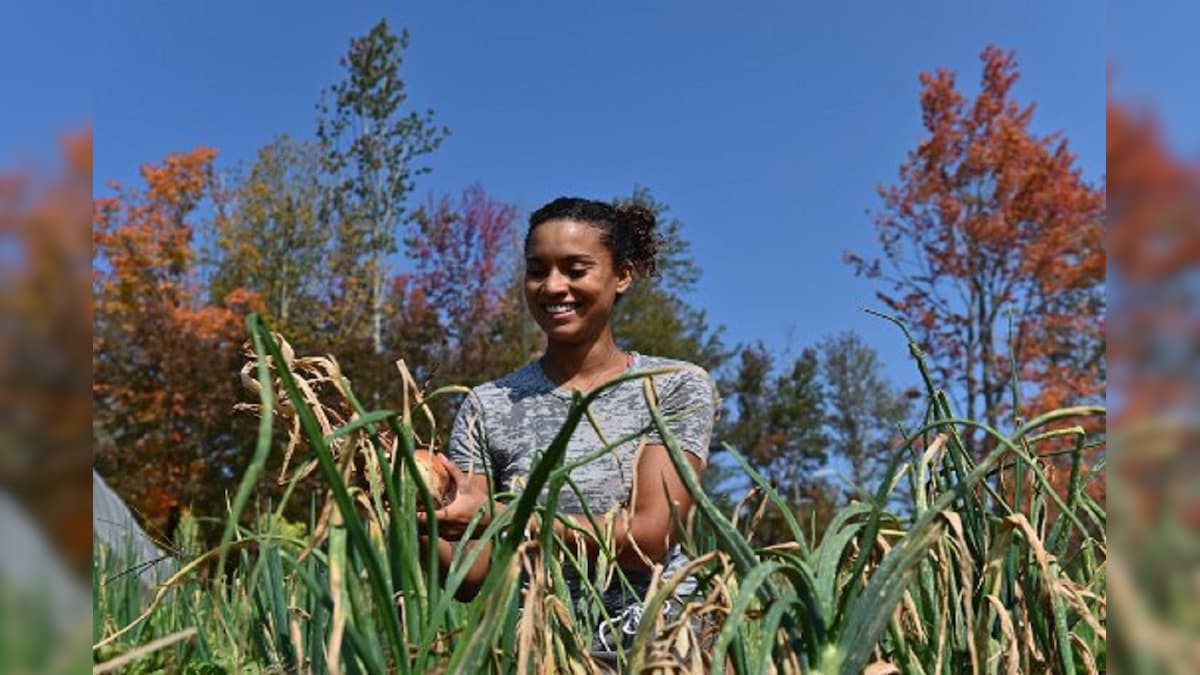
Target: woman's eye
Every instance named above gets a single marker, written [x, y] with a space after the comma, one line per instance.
[534, 273]
[577, 272]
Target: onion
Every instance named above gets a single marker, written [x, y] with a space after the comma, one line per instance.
[436, 478]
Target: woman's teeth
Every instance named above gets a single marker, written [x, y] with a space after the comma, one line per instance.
[560, 309]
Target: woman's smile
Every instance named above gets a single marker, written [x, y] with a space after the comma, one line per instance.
[560, 310]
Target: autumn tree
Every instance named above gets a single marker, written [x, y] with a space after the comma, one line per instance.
[372, 146]
[1154, 218]
[865, 413]
[991, 223]
[165, 360]
[1154, 206]
[444, 314]
[45, 335]
[462, 253]
[269, 238]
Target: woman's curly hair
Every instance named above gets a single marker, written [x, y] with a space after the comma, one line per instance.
[628, 230]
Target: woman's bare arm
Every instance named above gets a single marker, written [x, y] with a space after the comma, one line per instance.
[646, 526]
[642, 533]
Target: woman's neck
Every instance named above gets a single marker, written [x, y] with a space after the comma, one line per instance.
[564, 364]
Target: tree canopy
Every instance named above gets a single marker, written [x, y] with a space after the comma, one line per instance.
[987, 225]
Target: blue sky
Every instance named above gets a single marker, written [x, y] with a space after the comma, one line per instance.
[1154, 57]
[765, 126]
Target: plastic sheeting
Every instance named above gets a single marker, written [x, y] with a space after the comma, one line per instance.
[29, 565]
[113, 525]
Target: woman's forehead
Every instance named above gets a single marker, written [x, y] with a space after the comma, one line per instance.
[565, 238]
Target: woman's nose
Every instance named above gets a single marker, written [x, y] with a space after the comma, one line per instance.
[556, 282]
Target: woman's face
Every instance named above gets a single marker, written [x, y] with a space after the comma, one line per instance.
[570, 281]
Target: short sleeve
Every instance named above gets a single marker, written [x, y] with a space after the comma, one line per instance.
[688, 401]
[468, 447]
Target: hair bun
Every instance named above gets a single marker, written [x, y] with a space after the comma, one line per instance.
[640, 225]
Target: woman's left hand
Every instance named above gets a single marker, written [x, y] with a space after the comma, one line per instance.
[470, 497]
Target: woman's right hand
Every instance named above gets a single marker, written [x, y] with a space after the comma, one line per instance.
[470, 497]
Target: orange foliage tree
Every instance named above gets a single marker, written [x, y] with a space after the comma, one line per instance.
[165, 361]
[991, 226]
[1155, 215]
[45, 321]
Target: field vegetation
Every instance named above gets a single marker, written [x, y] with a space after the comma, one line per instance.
[987, 566]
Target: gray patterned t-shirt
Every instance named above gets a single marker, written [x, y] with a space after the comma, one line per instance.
[503, 426]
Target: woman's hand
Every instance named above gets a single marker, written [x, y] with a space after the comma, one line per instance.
[471, 496]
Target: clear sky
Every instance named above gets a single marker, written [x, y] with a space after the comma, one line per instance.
[1155, 60]
[765, 126]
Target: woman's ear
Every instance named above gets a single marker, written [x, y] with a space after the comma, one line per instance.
[624, 277]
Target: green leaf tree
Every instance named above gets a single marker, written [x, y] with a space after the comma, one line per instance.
[778, 425]
[864, 412]
[372, 145]
[269, 237]
[654, 317]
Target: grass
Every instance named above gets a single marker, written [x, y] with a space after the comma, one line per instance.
[988, 569]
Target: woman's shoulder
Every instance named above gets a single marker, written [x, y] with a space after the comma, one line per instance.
[680, 372]
[687, 368]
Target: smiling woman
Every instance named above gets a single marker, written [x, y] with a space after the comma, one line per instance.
[580, 257]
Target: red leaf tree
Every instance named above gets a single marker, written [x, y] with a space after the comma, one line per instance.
[446, 315]
[991, 226]
[463, 250]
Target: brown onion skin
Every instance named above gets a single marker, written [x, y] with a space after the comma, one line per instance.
[437, 479]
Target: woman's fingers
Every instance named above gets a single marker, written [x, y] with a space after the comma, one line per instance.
[469, 498]
[455, 473]
[451, 520]
[447, 529]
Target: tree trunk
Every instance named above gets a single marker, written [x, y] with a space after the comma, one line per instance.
[283, 298]
[987, 356]
[377, 308]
